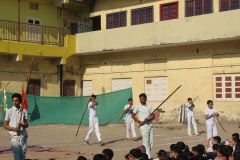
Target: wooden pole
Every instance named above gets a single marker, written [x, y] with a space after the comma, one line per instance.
[26, 88]
[163, 102]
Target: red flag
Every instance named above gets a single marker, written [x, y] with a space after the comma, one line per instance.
[24, 100]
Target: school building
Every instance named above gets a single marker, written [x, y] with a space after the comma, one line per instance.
[98, 46]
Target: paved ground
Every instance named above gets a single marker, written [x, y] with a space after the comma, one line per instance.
[63, 137]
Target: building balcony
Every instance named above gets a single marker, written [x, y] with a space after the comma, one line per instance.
[220, 26]
[30, 33]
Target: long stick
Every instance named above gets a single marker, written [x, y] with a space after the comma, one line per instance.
[4, 87]
[221, 124]
[114, 117]
[26, 87]
[163, 102]
[81, 119]
[181, 111]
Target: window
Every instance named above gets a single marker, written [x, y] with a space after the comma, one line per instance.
[68, 88]
[87, 88]
[226, 5]
[198, 7]
[74, 28]
[116, 20]
[119, 84]
[169, 11]
[156, 88]
[142, 15]
[34, 87]
[34, 30]
[227, 87]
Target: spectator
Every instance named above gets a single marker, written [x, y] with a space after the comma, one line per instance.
[81, 158]
[234, 143]
[108, 153]
[135, 154]
[223, 152]
[201, 150]
[185, 149]
[160, 153]
[213, 154]
[99, 157]
[198, 151]
[235, 156]
[215, 140]
[235, 135]
[175, 151]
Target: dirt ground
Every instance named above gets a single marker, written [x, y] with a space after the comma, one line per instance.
[63, 137]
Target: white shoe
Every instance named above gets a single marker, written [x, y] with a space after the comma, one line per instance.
[189, 134]
[197, 134]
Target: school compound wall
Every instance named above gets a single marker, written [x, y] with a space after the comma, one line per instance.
[192, 66]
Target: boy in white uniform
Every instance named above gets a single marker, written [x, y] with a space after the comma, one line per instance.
[128, 109]
[144, 111]
[210, 114]
[17, 131]
[93, 121]
[190, 117]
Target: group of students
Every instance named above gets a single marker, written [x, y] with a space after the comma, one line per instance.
[142, 113]
[215, 149]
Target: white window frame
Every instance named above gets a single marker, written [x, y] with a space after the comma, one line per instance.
[35, 36]
[121, 79]
[223, 87]
[149, 98]
[83, 87]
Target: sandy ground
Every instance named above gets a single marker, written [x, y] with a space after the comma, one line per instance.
[63, 137]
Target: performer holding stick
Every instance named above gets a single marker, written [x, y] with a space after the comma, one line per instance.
[17, 130]
[93, 121]
[146, 115]
[210, 114]
[129, 120]
[190, 117]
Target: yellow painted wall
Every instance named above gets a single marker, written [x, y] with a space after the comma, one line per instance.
[38, 50]
[46, 13]
[17, 73]
[191, 66]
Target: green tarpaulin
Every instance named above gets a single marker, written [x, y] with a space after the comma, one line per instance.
[69, 110]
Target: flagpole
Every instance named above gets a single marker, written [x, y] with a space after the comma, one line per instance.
[26, 88]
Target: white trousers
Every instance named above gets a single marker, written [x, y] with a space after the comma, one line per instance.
[191, 120]
[211, 131]
[93, 126]
[147, 137]
[130, 124]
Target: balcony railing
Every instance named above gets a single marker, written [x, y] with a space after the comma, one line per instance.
[31, 33]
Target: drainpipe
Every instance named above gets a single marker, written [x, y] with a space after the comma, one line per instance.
[63, 22]
[18, 20]
[60, 77]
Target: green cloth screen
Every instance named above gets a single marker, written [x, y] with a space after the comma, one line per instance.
[69, 110]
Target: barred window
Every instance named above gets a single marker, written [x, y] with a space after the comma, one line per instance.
[227, 87]
[68, 88]
[169, 11]
[34, 87]
[142, 15]
[115, 20]
[198, 7]
[226, 5]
